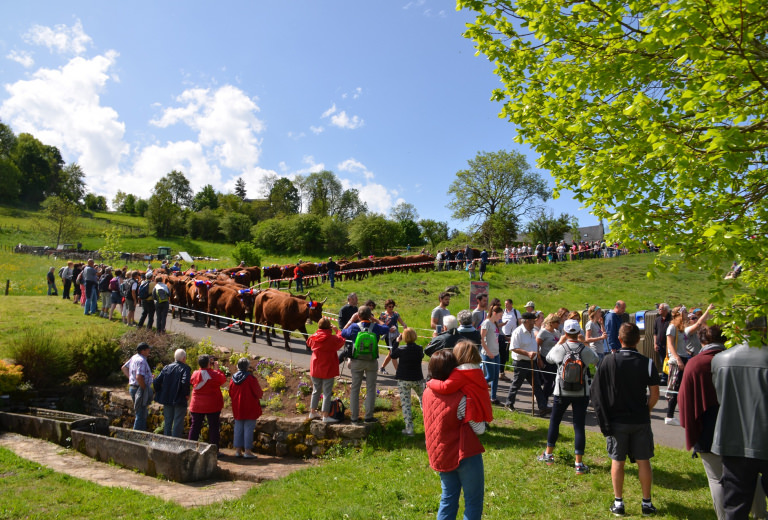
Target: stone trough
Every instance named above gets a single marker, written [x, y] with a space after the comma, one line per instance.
[175, 459]
[51, 425]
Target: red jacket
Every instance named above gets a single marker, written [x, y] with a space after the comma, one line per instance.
[471, 383]
[449, 440]
[245, 397]
[207, 398]
[324, 344]
[698, 400]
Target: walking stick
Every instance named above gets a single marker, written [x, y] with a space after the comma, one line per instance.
[533, 388]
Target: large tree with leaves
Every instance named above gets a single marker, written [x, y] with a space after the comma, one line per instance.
[59, 221]
[495, 193]
[545, 227]
[654, 114]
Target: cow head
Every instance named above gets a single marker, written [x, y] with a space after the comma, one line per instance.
[315, 309]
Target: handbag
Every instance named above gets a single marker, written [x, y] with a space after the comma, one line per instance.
[665, 367]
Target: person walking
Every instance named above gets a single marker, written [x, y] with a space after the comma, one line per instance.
[324, 367]
[408, 374]
[245, 392]
[612, 325]
[206, 401]
[172, 391]
[524, 352]
[623, 412]
[573, 394]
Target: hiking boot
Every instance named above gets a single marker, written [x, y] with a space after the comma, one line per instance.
[548, 458]
[581, 469]
[546, 412]
[617, 509]
[674, 421]
[648, 509]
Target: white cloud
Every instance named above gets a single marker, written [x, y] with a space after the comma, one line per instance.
[62, 107]
[224, 119]
[61, 39]
[417, 3]
[353, 166]
[156, 161]
[358, 92]
[311, 166]
[317, 129]
[376, 196]
[342, 120]
[23, 58]
[330, 111]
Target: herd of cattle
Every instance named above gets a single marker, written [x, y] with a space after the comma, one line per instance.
[240, 294]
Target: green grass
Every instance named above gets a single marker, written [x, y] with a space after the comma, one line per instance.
[390, 478]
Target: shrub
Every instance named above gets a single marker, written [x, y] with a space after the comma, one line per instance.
[245, 252]
[10, 376]
[163, 345]
[44, 356]
[96, 353]
[276, 381]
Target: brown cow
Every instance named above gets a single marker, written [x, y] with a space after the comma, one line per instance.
[356, 264]
[273, 273]
[289, 312]
[310, 273]
[235, 301]
[197, 295]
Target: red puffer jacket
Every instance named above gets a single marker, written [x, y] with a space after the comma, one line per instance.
[207, 398]
[449, 440]
[325, 362]
[245, 392]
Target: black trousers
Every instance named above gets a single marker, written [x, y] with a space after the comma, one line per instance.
[523, 373]
[739, 481]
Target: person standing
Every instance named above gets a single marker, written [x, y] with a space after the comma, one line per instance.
[510, 319]
[740, 376]
[332, 268]
[546, 338]
[408, 374]
[50, 277]
[483, 263]
[66, 279]
[323, 367]
[480, 311]
[489, 336]
[612, 325]
[440, 312]
[206, 401]
[569, 394]
[348, 310]
[524, 351]
[453, 446]
[245, 391]
[298, 276]
[145, 296]
[624, 413]
[172, 391]
[661, 324]
[139, 375]
[390, 318]
[90, 288]
[161, 295]
[595, 333]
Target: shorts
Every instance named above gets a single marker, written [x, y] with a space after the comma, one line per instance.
[115, 299]
[635, 440]
[130, 305]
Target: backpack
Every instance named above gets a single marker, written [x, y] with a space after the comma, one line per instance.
[125, 288]
[104, 283]
[337, 409]
[143, 292]
[366, 344]
[114, 284]
[161, 293]
[573, 369]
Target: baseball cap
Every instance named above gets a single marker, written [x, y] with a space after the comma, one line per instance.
[571, 327]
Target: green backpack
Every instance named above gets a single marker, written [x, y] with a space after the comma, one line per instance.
[366, 344]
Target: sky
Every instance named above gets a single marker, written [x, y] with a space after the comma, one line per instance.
[386, 94]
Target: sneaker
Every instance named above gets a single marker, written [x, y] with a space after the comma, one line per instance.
[508, 407]
[674, 421]
[617, 509]
[330, 420]
[546, 412]
[503, 377]
[314, 415]
[549, 459]
[495, 402]
[371, 420]
[648, 509]
[355, 420]
[581, 469]
[408, 432]
[383, 370]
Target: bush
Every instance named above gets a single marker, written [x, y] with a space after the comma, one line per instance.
[163, 345]
[44, 356]
[245, 252]
[10, 377]
[96, 354]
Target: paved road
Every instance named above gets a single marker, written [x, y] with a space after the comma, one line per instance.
[234, 339]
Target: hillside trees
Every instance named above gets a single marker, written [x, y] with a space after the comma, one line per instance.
[373, 233]
[164, 210]
[545, 227]
[433, 231]
[496, 193]
[59, 221]
[655, 115]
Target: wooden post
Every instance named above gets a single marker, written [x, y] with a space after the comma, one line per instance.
[7, 286]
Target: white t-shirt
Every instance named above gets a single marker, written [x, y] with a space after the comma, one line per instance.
[524, 340]
[491, 339]
[511, 320]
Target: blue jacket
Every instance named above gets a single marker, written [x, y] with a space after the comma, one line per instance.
[612, 326]
[172, 385]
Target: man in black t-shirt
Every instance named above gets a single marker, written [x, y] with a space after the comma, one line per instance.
[347, 311]
[624, 412]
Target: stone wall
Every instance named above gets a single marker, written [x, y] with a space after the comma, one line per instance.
[280, 436]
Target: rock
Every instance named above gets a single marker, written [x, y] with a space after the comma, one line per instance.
[349, 431]
[266, 425]
[318, 429]
[292, 425]
[281, 449]
[317, 451]
[453, 289]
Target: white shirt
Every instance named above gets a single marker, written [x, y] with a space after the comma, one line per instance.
[510, 320]
[524, 340]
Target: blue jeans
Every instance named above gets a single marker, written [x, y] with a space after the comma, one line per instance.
[140, 422]
[331, 274]
[579, 407]
[91, 298]
[174, 420]
[244, 434]
[470, 475]
[491, 365]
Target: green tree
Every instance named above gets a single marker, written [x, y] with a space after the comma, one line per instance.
[7, 140]
[655, 115]
[284, 197]
[117, 200]
[410, 234]
[204, 225]
[404, 211]
[72, 183]
[335, 235]
[545, 227]
[328, 198]
[245, 252]
[236, 227]
[240, 188]
[178, 186]
[95, 202]
[10, 180]
[433, 231]
[373, 233]
[60, 219]
[112, 244]
[40, 168]
[142, 205]
[273, 235]
[205, 198]
[129, 204]
[306, 233]
[496, 186]
[164, 213]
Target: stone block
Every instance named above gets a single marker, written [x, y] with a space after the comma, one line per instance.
[281, 449]
[292, 425]
[318, 429]
[266, 425]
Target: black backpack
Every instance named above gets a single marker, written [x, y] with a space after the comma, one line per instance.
[337, 409]
[573, 371]
[143, 292]
[104, 283]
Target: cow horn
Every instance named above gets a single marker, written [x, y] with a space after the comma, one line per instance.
[322, 302]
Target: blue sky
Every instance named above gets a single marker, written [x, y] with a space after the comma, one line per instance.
[387, 95]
